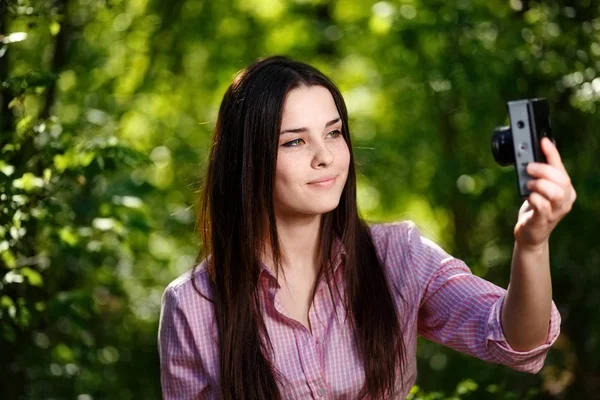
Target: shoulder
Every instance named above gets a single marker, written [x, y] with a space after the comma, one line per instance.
[404, 239]
[394, 238]
[198, 274]
[190, 293]
[187, 335]
[392, 242]
[408, 257]
[394, 229]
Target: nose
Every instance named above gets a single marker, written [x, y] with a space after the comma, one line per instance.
[323, 156]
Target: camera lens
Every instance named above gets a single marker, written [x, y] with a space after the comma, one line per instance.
[502, 146]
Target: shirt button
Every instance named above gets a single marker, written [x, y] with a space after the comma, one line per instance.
[321, 392]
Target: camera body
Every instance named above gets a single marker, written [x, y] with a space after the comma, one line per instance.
[519, 143]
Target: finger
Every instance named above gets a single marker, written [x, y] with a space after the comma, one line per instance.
[540, 204]
[552, 192]
[550, 172]
[552, 154]
[525, 207]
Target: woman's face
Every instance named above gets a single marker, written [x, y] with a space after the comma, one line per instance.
[313, 157]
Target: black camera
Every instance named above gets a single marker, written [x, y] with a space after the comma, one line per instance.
[519, 143]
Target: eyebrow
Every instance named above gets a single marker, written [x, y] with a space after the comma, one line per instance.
[304, 129]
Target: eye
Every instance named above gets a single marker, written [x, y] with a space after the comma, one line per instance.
[293, 143]
[335, 133]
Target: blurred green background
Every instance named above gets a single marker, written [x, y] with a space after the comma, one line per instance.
[106, 112]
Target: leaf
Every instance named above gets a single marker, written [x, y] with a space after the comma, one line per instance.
[24, 315]
[104, 224]
[25, 124]
[86, 158]
[73, 159]
[63, 353]
[61, 162]
[47, 175]
[6, 169]
[14, 37]
[9, 259]
[466, 386]
[54, 28]
[67, 235]
[28, 182]
[6, 302]
[14, 103]
[33, 276]
[8, 333]
[13, 277]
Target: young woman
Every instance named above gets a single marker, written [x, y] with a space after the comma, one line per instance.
[295, 297]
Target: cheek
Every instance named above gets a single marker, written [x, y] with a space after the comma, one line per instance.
[343, 154]
[286, 172]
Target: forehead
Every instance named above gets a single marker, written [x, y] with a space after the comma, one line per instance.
[305, 104]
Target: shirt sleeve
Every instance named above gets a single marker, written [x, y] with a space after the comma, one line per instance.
[462, 311]
[182, 374]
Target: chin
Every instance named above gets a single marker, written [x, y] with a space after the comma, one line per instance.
[312, 208]
[324, 207]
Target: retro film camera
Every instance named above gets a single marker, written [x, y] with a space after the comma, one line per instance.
[519, 143]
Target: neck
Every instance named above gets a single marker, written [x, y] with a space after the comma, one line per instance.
[299, 241]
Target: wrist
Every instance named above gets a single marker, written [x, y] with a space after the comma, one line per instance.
[534, 248]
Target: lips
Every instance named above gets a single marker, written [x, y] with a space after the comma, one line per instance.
[326, 180]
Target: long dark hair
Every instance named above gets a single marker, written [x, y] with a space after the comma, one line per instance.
[237, 207]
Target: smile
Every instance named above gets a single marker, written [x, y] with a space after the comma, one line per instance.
[325, 182]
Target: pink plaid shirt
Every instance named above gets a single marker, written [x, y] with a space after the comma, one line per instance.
[444, 302]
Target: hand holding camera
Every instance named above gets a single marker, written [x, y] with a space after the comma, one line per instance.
[528, 144]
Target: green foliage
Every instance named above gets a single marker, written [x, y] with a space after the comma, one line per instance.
[106, 109]
[63, 227]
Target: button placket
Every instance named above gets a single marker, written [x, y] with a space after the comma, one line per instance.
[312, 367]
